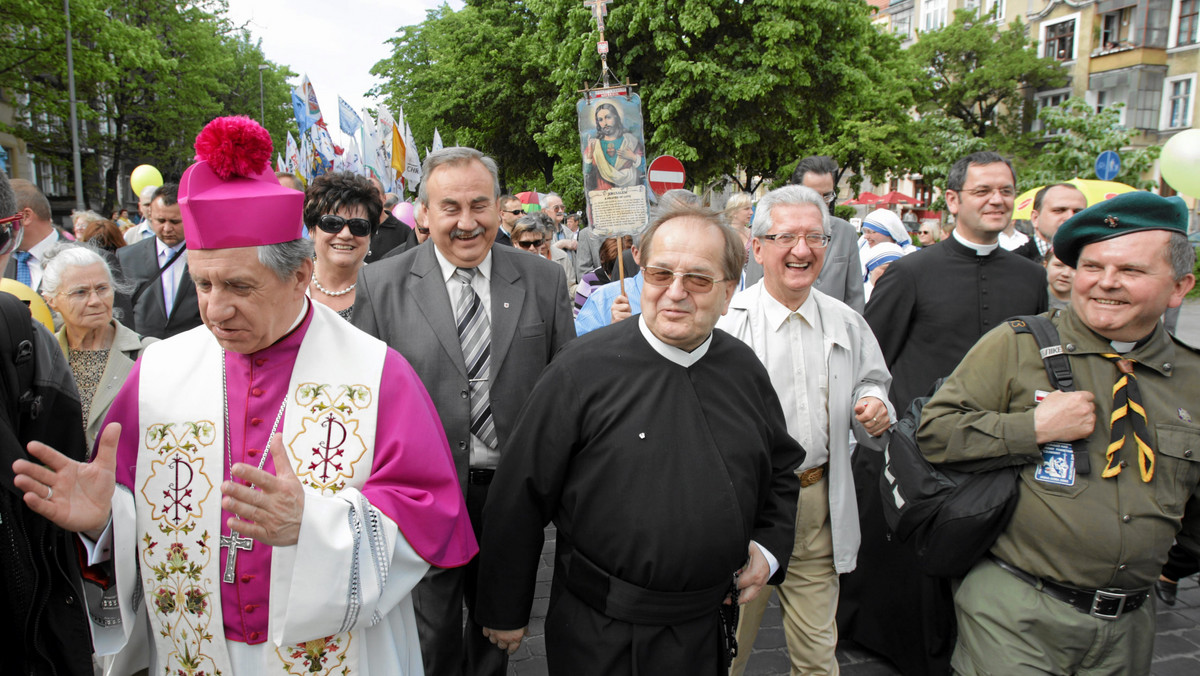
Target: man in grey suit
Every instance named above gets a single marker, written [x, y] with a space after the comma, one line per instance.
[841, 276]
[156, 286]
[478, 323]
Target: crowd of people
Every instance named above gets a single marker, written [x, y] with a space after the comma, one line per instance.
[305, 428]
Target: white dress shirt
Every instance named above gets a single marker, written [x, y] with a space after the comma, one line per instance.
[37, 254]
[171, 276]
[796, 361]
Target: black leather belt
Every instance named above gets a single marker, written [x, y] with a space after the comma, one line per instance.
[480, 477]
[1106, 604]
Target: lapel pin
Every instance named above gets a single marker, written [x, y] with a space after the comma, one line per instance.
[506, 306]
[641, 435]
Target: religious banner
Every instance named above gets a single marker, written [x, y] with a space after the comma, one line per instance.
[614, 160]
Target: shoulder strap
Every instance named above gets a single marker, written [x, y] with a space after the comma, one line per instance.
[147, 284]
[1058, 368]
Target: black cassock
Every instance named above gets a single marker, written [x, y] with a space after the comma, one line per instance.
[654, 474]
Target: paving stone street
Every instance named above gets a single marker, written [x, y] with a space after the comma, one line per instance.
[1176, 647]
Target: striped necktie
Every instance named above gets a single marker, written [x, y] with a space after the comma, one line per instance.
[23, 274]
[475, 335]
[1127, 408]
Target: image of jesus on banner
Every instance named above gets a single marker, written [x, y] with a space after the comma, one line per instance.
[613, 157]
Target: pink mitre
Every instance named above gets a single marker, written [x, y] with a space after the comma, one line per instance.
[230, 198]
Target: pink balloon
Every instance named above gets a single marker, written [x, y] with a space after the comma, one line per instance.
[404, 212]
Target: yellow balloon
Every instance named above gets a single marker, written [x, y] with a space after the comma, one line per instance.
[143, 177]
[1180, 162]
[37, 306]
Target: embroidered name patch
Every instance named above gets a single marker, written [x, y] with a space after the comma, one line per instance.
[1058, 464]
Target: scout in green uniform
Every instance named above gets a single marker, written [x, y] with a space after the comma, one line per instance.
[1065, 588]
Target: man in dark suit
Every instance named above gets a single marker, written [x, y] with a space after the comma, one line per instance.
[155, 291]
[513, 312]
[392, 234]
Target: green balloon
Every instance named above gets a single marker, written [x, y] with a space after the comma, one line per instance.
[1180, 162]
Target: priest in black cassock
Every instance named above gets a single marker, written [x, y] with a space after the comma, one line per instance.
[667, 469]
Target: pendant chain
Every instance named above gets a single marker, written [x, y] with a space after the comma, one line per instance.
[228, 439]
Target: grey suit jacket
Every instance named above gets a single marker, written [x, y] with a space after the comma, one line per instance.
[126, 347]
[403, 301]
[139, 265]
[841, 275]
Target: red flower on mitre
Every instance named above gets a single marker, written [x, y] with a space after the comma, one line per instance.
[234, 146]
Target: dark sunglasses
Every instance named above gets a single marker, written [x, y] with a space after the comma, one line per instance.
[359, 227]
[10, 230]
[529, 243]
[514, 212]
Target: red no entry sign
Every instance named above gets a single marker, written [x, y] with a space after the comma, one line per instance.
[665, 173]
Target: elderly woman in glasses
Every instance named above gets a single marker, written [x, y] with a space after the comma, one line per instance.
[341, 211]
[78, 284]
[534, 233]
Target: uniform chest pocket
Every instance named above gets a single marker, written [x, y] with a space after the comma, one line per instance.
[1176, 467]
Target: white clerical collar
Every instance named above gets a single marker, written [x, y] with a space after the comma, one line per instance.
[1122, 346]
[670, 352]
[484, 268]
[777, 313]
[980, 249]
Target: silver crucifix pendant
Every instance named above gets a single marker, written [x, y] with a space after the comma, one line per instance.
[233, 543]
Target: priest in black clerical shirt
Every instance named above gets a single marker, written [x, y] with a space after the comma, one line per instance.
[667, 469]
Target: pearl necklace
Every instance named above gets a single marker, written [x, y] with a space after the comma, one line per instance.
[327, 292]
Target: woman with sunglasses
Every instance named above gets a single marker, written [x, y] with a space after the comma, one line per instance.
[340, 212]
[78, 284]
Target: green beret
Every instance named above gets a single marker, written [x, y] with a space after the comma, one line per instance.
[1121, 215]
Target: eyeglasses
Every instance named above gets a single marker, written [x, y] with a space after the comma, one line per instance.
[423, 231]
[692, 281]
[829, 197]
[529, 243]
[514, 212]
[359, 227]
[83, 293]
[985, 192]
[787, 240]
[10, 233]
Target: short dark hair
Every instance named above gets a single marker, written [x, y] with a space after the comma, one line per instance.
[813, 164]
[1041, 194]
[958, 172]
[329, 192]
[168, 193]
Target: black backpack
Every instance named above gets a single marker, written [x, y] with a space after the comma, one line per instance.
[949, 517]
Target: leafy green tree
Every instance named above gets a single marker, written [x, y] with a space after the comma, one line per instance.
[980, 74]
[947, 141]
[478, 75]
[725, 85]
[148, 76]
[1078, 134]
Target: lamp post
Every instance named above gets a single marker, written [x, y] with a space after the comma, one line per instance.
[75, 159]
[261, 109]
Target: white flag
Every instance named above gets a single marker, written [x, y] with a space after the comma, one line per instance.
[437, 140]
[412, 164]
[352, 159]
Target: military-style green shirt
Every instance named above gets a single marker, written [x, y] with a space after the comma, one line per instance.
[1081, 530]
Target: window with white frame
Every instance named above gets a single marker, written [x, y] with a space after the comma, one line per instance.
[1179, 94]
[1188, 20]
[987, 6]
[1058, 38]
[1051, 99]
[933, 13]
